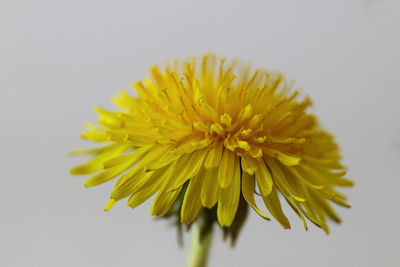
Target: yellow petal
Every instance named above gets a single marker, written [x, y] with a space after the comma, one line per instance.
[90, 151]
[124, 100]
[255, 120]
[339, 201]
[264, 179]
[214, 157]
[108, 174]
[293, 205]
[344, 182]
[109, 205]
[152, 185]
[108, 118]
[167, 194]
[207, 110]
[191, 204]
[133, 157]
[227, 168]
[244, 145]
[130, 182]
[249, 164]
[316, 206]
[201, 126]
[217, 128]
[286, 159]
[330, 211]
[274, 206]
[307, 209]
[154, 156]
[282, 180]
[255, 152]
[292, 140]
[304, 177]
[229, 200]
[141, 139]
[167, 159]
[247, 112]
[96, 163]
[96, 136]
[164, 201]
[210, 188]
[189, 169]
[248, 186]
[226, 120]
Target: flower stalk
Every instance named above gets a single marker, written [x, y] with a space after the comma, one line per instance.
[202, 233]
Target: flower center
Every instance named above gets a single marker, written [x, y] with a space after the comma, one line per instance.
[244, 134]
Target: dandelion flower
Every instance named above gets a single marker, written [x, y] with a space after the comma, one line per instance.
[217, 132]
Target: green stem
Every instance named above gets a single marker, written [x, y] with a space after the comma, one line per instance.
[201, 241]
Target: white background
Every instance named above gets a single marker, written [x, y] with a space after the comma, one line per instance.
[58, 59]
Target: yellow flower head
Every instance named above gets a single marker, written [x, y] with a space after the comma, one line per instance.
[219, 131]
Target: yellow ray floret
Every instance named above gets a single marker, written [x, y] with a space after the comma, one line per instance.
[217, 130]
